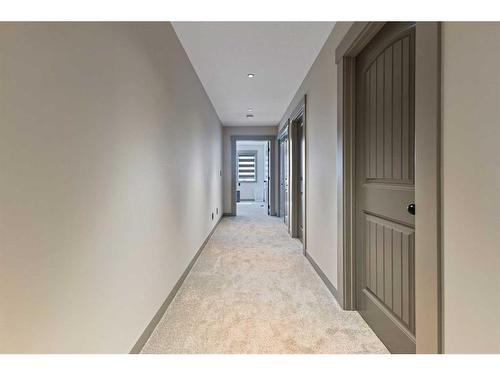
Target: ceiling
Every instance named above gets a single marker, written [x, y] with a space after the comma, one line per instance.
[278, 53]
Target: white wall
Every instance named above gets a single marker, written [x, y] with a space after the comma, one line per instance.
[254, 190]
[471, 187]
[110, 154]
[320, 86]
[229, 131]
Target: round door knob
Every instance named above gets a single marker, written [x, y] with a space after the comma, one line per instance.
[411, 208]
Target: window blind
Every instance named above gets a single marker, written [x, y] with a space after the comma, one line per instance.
[247, 167]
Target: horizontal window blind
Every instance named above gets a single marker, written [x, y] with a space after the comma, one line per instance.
[247, 167]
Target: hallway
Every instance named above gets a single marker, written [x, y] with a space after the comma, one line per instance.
[253, 291]
[147, 170]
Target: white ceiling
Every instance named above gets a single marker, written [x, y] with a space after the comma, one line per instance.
[278, 53]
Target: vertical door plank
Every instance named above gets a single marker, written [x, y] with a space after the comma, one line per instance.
[373, 120]
[405, 111]
[388, 113]
[366, 126]
[412, 282]
[380, 116]
[380, 261]
[373, 257]
[388, 266]
[396, 274]
[396, 111]
[405, 276]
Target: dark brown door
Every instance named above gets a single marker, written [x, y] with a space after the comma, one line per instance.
[301, 179]
[385, 186]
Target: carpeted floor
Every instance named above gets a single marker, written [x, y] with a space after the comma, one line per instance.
[253, 291]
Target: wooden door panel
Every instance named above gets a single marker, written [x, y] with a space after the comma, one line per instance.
[389, 133]
[390, 255]
[389, 201]
[385, 230]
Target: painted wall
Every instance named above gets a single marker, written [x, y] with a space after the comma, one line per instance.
[320, 86]
[471, 187]
[254, 190]
[110, 153]
[229, 131]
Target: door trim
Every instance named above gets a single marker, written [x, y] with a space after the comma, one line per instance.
[428, 221]
[272, 166]
[282, 135]
[298, 113]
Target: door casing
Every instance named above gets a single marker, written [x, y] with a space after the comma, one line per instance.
[297, 118]
[428, 192]
[268, 178]
[272, 168]
[283, 163]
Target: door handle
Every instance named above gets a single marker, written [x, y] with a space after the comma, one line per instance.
[411, 208]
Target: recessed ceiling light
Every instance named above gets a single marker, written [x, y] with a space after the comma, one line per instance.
[249, 116]
[250, 75]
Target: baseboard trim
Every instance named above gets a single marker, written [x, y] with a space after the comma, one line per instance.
[136, 349]
[227, 214]
[323, 277]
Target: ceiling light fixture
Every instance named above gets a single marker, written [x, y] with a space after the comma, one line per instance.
[250, 75]
[249, 109]
[249, 116]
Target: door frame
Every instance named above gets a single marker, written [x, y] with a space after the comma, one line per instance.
[272, 168]
[428, 221]
[298, 113]
[282, 135]
[268, 178]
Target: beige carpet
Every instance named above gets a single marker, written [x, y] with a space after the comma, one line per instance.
[253, 291]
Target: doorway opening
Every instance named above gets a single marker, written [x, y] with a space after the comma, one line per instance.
[252, 178]
[292, 173]
[388, 160]
[298, 157]
[284, 173]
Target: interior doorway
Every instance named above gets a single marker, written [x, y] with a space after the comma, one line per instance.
[385, 186]
[297, 169]
[252, 172]
[253, 175]
[301, 204]
[284, 166]
[388, 160]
